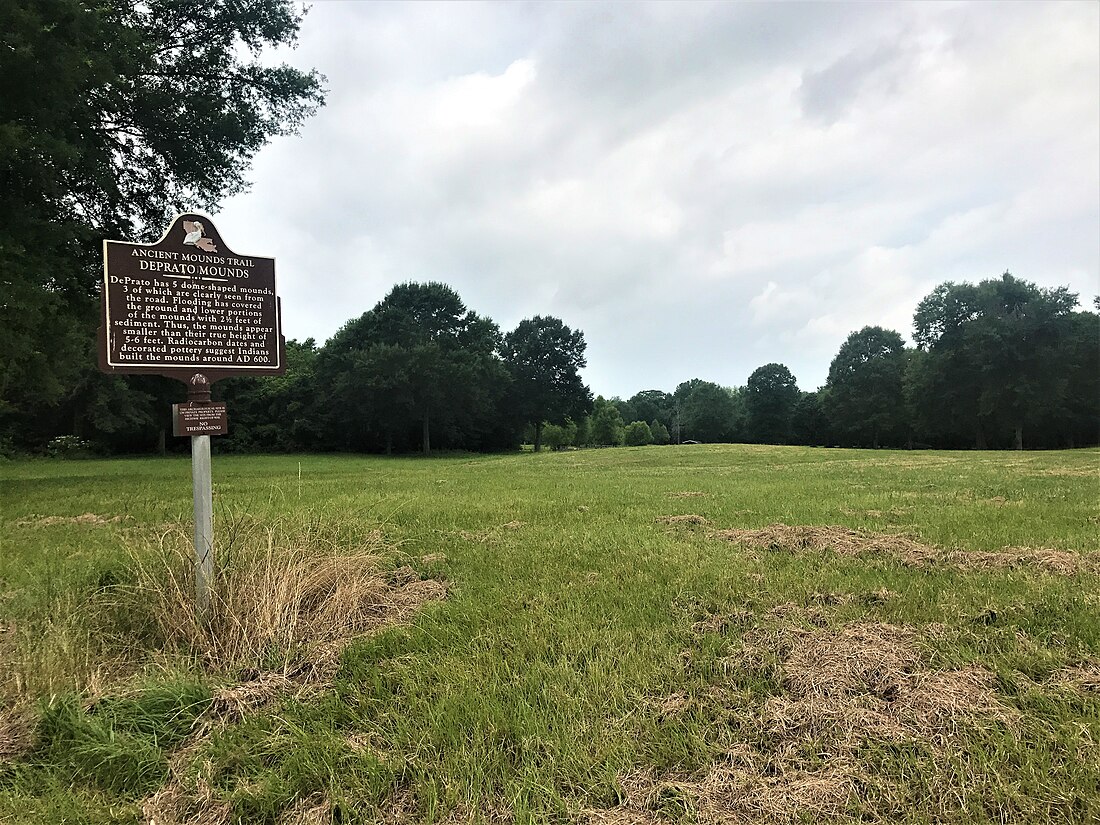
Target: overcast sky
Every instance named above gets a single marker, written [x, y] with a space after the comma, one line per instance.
[700, 188]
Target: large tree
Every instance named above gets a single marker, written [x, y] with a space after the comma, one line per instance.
[113, 115]
[995, 355]
[706, 411]
[544, 358]
[419, 356]
[770, 398]
[865, 399]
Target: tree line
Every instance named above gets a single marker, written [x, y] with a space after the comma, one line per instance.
[1000, 364]
[997, 365]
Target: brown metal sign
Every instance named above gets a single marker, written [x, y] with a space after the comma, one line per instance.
[200, 419]
[188, 304]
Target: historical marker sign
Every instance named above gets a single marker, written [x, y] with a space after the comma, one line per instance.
[188, 304]
[189, 307]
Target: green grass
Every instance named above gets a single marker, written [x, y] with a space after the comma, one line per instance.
[537, 686]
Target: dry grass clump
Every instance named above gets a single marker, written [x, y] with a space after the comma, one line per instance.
[189, 798]
[315, 809]
[743, 787]
[402, 810]
[193, 804]
[16, 731]
[865, 681]
[841, 540]
[284, 600]
[843, 689]
[687, 519]
[1059, 562]
[1084, 678]
[234, 702]
[720, 622]
[688, 494]
[892, 513]
[280, 598]
[85, 518]
[845, 541]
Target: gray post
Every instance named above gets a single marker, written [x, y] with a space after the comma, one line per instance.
[204, 524]
[198, 391]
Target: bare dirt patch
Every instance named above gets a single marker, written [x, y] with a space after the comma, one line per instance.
[845, 541]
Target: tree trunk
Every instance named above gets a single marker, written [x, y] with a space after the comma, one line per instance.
[427, 436]
[538, 436]
[979, 436]
[161, 445]
[389, 442]
[874, 437]
[1018, 442]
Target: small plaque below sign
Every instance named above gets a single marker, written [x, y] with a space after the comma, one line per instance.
[200, 419]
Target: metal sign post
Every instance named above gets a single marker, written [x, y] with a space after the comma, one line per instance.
[188, 307]
[203, 494]
[204, 524]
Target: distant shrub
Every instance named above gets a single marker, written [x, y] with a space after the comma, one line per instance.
[660, 432]
[637, 434]
[69, 446]
[556, 436]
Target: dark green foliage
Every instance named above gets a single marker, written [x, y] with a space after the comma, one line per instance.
[864, 399]
[419, 360]
[114, 116]
[809, 422]
[556, 436]
[659, 431]
[605, 425]
[544, 358]
[706, 412]
[278, 413]
[654, 405]
[770, 397]
[637, 434]
[1001, 358]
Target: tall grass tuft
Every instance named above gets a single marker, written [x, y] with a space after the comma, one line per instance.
[284, 595]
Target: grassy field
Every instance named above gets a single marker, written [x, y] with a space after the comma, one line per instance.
[703, 634]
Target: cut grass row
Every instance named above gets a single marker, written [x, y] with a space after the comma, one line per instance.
[580, 669]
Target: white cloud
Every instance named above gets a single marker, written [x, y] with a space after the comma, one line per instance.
[701, 188]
